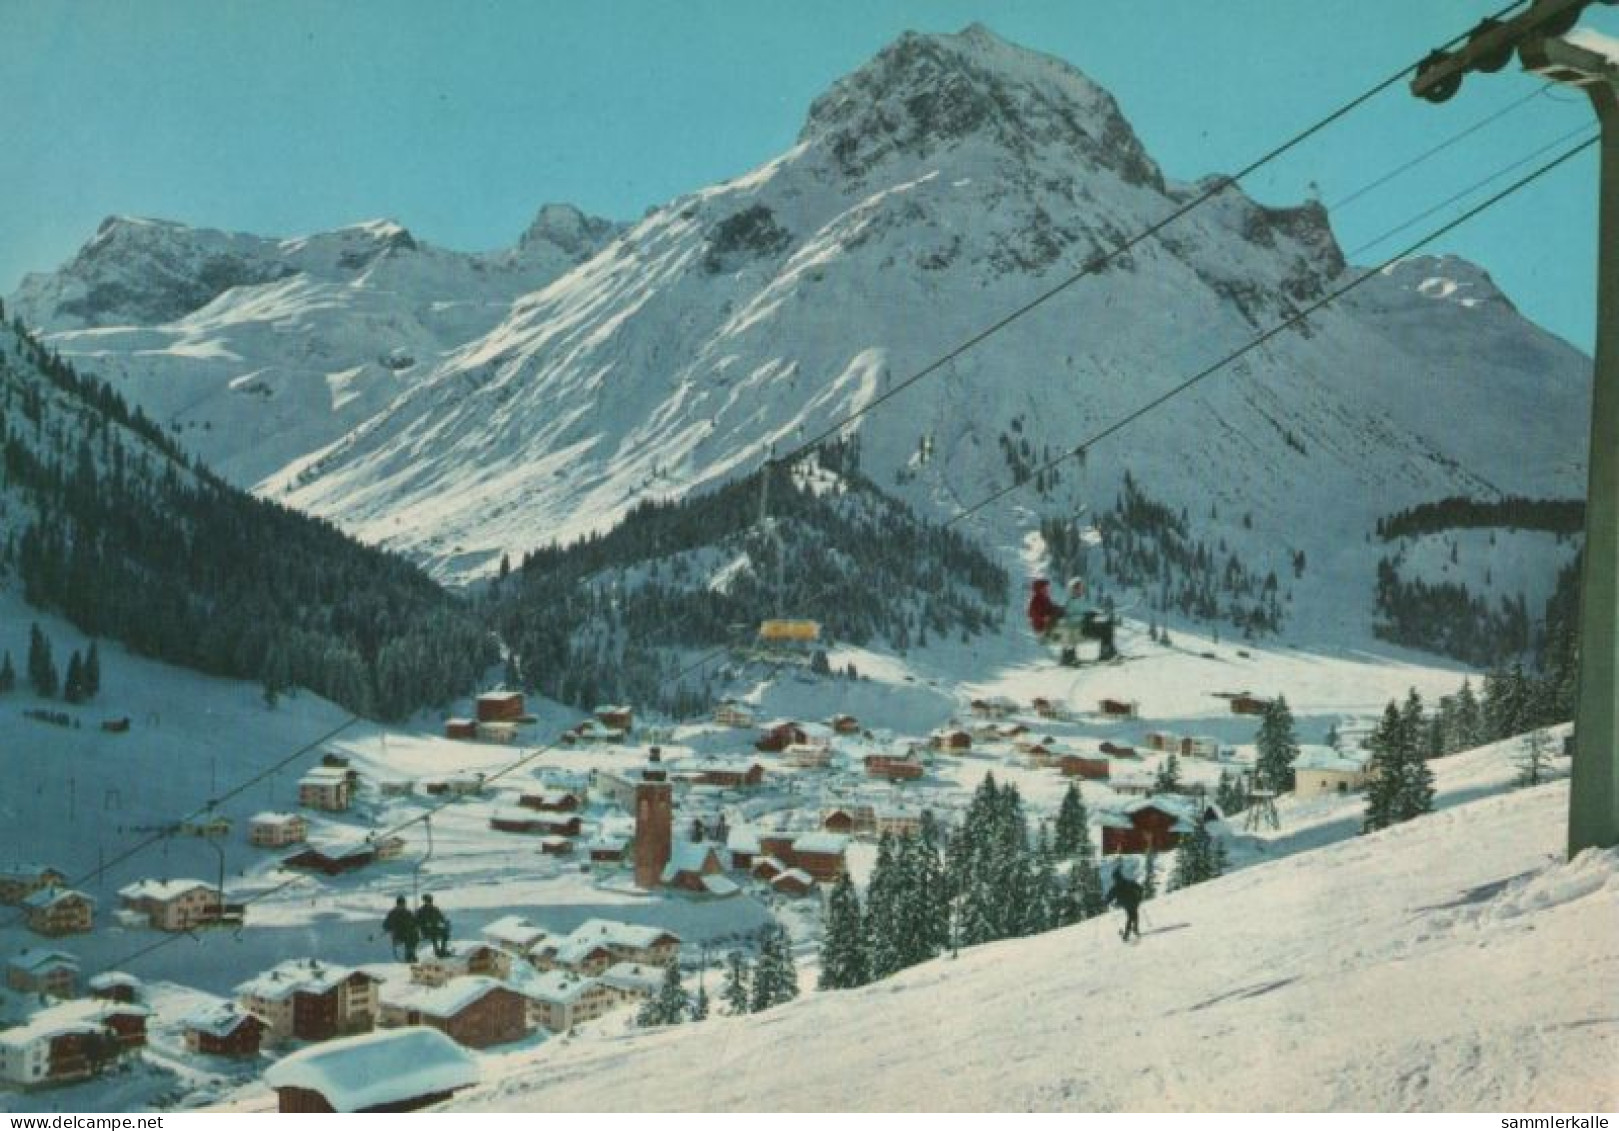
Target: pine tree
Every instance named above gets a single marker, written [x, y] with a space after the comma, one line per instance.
[882, 920]
[1199, 858]
[1383, 771]
[775, 979]
[1168, 779]
[8, 675]
[1149, 876]
[1073, 823]
[41, 667]
[670, 1005]
[1533, 758]
[1469, 725]
[699, 1003]
[73, 681]
[843, 947]
[735, 992]
[1278, 746]
[92, 672]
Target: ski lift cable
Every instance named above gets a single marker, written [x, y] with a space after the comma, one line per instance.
[163, 832]
[1102, 261]
[1474, 187]
[1280, 328]
[1440, 147]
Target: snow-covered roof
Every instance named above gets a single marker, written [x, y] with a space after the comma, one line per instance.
[162, 890]
[298, 975]
[514, 930]
[220, 1019]
[793, 875]
[323, 775]
[113, 978]
[441, 1001]
[275, 819]
[687, 856]
[636, 977]
[34, 961]
[718, 884]
[387, 1066]
[831, 844]
[1326, 758]
[611, 842]
[46, 897]
[558, 986]
[45, 1025]
[615, 933]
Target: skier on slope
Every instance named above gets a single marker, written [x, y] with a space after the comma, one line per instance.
[434, 927]
[1126, 893]
[401, 927]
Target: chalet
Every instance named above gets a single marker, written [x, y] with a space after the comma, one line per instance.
[69, 1041]
[558, 1000]
[844, 724]
[464, 958]
[778, 844]
[59, 911]
[1117, 750]
[386, 1071]
[277, 830]
[553, 801]
[1086, 768]
[1199, 746]
[1134, 785]
[500, 707]
[742, 843]
[1321, 769]
[1049, 709]
[616, 718]
[1155, 824]
[952, 740]
[592, 732]
[554, 844]
[499, 731]
[767, 868]
[608, 848]
[1042, 753]
[1162, 741]
[303, 999]
[585, 957]
[733, 714]
[632, 980]
[513, 820]
[329, 788]
[463, 729]
[804, 756]
[333, 859]
[224, 1029]
[18, 881]
[172, 905]
[998, 707]
[690, 864]
[793, 882]
[892, 768]
[468, 784]
[515, 934]
[1118, 708]
[53, 973]
[114, 985]
[896, 822]
[850, 820]
[821, 855]
[777, 736]
[631, 942]
[477, 1011]
[724, 773]
[1246, 704]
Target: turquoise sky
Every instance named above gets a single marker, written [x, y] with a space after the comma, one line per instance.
[460, 119]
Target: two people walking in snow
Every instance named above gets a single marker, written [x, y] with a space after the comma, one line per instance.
[1126, 894]
[408, 930]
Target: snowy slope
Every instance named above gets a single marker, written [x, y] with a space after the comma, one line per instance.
[940, 186]
[259, 351]
[1454, 963]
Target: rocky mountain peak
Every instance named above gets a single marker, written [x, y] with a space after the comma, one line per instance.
[927, 92]
[568, 229]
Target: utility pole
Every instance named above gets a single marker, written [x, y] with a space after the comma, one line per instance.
[1591, 63]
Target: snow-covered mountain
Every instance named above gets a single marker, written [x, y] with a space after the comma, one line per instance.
[937, 188]
[257, 351]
